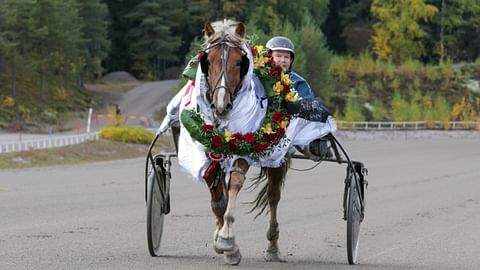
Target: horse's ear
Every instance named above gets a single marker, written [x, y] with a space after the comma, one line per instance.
[208, 29]
[240, 30]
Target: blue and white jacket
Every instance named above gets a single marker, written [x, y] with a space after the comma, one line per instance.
[303, 88]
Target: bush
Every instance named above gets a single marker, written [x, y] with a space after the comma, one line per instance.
[126, 134]
[353, 110]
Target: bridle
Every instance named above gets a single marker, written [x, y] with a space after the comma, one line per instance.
[225, 47]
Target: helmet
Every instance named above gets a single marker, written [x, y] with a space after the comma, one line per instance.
[281, 43]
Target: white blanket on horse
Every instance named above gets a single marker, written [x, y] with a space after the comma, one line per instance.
[249, 109]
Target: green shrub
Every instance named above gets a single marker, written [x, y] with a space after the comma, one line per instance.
[379, 112]
[400, 107]
[442, 111]
[127, 134]
[353, 110]
[415, 113]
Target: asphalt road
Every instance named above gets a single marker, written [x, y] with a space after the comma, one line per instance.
[423, 212]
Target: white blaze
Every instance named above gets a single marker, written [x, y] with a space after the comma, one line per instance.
[221, 94]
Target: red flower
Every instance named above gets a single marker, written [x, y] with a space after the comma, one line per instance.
[207, 128]
[269, 137]
[281, 131]
[254, 51]
[259, 147]
[286, 88]
[238, 136]
[249, 137]
[232, 146]
[216, 141]
[277, 117]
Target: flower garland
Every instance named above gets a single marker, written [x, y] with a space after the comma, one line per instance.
[219, 144]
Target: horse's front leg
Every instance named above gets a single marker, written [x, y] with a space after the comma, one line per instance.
[226, 237]
[276, 178]
[215, 183]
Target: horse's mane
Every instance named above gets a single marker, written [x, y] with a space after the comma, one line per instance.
[225, 31]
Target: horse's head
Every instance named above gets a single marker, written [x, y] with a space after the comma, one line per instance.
[224, 63]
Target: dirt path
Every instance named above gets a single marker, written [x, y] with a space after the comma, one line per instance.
[144, 100]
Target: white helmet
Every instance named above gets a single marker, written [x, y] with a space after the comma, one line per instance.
[281, 43]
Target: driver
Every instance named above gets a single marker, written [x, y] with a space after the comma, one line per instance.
[283, 54]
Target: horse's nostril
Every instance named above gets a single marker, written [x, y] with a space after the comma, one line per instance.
[212, 106]
[228, 107]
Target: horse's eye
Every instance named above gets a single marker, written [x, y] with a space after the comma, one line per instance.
[239, 63]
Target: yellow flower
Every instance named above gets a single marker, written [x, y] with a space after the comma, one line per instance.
[228, 135]
[278, 88]
[267, 129]
[259, 49]
[260, 61]
[284, 124]
[285, 79]
[291, 97]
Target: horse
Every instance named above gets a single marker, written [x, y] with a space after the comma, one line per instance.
[224, 64]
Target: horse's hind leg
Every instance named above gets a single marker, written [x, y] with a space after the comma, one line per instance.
[226, 237]
[276, 177]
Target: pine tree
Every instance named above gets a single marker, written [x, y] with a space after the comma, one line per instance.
[313, 45]
[94, 31]
[455, 30]
[155, 44]
[15, 25]
[119, 57]
[58, 47]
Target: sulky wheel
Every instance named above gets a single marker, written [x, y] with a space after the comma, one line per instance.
[157, 203]
[353, 218]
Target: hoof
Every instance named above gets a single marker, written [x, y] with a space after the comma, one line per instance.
[232, 257]
[274, 256]
[224, 245]
[215, 238]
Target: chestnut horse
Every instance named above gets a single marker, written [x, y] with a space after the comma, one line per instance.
[225, 64]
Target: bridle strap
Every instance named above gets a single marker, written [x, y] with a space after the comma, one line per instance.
[224, 56]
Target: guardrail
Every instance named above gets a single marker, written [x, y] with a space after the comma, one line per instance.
[50, 142]
[414, 125]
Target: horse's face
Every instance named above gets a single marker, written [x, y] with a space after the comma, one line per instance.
[225, 66]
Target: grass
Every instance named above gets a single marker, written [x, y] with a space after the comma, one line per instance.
[99, 150]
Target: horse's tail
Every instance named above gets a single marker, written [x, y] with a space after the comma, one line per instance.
[261, 200]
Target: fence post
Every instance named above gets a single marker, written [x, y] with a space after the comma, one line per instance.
[89, 120]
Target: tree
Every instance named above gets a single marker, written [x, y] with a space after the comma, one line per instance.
[155, 43]
[15, 24]
[95, 47]
[119, 57]
[313, 45]
[59, 47]
[263, 16]
[398, 35]
[455, 30]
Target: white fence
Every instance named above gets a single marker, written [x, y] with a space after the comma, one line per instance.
[417, 125]
[50, 142]
[60, 141]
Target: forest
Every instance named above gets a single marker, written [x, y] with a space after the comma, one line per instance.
[368, 59]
